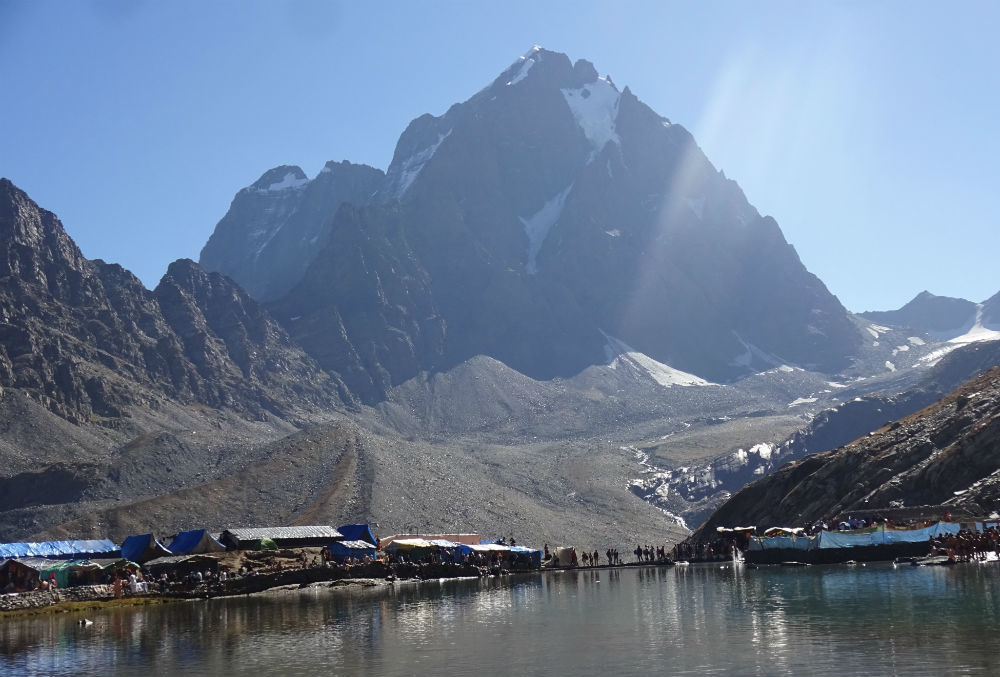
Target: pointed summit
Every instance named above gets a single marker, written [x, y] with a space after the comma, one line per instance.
[548, 209]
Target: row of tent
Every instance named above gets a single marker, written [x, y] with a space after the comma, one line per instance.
[145, 547]
[347, 541]
[416, 546]
[142, 548]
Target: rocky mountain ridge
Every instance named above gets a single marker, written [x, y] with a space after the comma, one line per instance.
[87, 340]
[946, 453]
[694, 491]
[943, 317]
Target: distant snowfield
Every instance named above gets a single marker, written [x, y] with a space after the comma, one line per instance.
[620, 354]
[595, 107]
[976, 333]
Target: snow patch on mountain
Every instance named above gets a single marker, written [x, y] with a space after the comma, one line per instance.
[753, 353]
[411, 166]
[654, 486]
[527, 61]
[537, 226]
[288, 182]
[621, 355]
[978, 331]
[595, 108]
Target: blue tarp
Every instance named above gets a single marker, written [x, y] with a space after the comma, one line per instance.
[839, 539]
[59, 549]
[194, 542]
[358, 532]
[142, 548]
[854, 539]
[782, 543]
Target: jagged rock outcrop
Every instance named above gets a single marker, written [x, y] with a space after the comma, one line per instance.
[88, 341]
[546, 213]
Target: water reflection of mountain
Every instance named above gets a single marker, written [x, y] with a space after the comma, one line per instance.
[689, 620]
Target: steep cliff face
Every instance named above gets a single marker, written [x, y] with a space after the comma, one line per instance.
[948, 452]
[530, 223]
[88, 341]
[275, 227]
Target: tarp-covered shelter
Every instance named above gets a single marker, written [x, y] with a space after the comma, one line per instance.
[142, 548]
[249, 538]
[408, 545]
[358, 532]
[561, 557]
[26, 573]
[181, 565]
[60, 549]
[463, 539]
[110, 567]
[341, 550]
[527, 558]
[194, 542]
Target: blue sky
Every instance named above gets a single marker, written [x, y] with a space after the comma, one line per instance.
[867, 128]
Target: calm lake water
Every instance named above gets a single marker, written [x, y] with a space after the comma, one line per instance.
[697, 620]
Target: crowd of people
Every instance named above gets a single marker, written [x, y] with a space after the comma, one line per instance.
[968, 545]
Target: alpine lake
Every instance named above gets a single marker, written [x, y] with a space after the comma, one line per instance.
[703, 619]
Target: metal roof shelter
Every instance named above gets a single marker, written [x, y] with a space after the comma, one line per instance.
[248, 538]
[181, 564]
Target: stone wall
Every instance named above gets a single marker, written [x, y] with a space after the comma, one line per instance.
[41, 598]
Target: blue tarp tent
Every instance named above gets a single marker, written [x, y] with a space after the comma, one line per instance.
[341, 550]
[142, 548]
[358, 532]
[526, 556]
[195, 542]
[59, 549]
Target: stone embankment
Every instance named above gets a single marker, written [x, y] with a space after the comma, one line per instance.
[43, 598]
[249, 584]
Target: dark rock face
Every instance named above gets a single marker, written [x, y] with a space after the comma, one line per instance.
[526, 224]
[947, 453]
[87, 340]
[941, 316]
[380, 326]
